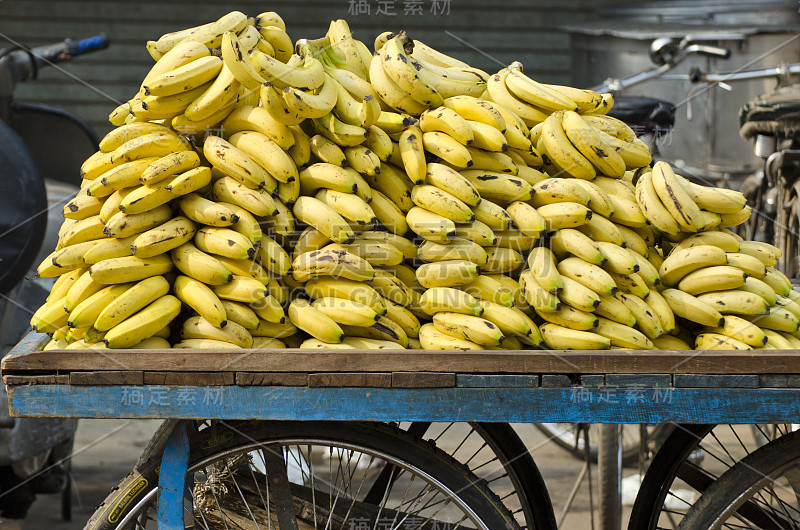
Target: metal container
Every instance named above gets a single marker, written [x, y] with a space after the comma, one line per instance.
[705, 140]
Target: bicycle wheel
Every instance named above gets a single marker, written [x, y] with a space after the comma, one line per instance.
[495, 453]
[761, 491]
[336, 480]
[686, 465]
[566, 436]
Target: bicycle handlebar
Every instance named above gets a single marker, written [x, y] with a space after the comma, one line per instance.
[713, 51]
[666, 53]
[22, 63]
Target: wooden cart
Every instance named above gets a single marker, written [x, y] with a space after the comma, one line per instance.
[350, 385]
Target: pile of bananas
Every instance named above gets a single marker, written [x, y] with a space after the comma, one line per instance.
[251, 196]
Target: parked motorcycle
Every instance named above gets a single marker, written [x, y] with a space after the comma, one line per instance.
[41, 150]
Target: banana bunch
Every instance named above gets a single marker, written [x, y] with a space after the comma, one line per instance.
[678, 207]
[203, 73]
[409, 83]
[258, 194]
[729, 293]
[533, 102]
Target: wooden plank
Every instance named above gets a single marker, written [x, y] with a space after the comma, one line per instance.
[271, 379]
[593, 380]
[648, 380]
[423, 380]
[117, 377]
[353, 379]
[527, 405]
[189, 378]
[773, 381]
[496, 381]
[555, 380]
[715, 381]
[500, 362]
[32, 380]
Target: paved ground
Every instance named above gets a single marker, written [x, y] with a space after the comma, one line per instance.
[99, 465]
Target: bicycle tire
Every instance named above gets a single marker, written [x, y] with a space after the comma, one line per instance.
[686, 465]
[661, 474]
[528, 498]
[523, 472]
[398, 447]
[734, 493]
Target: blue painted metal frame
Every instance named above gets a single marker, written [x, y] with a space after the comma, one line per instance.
[172, 479]
[530, 405]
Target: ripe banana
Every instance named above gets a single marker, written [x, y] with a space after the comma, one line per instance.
[562, 338]
[146, 323]
[442, 203]
[439, 299]
[237, 164]
[578, 296]
[476, 110]
[564, 215]
[692, 308]
[433, 339]
[346, 289]
[678, 264]
[201, 266]
[716, 278]
[717, 200]
[715, 341]
[202, 299]
[512, 322]
[471, 328]
[258, 119]
[675, 199]
[130, 269]
[337, 263]
[347, 312]
[448, 121]
[163, 238]
[266, 153]
[350, 206]
[486, 287]
[233, 333]
[588, 274]
[324, 218]
[430, 225]
[498, 187]
[133, 299]
[536, 295]
[570, 241]
[459, 248]
[583, 136]
[448, 273]
[388, 214]
[623, 336]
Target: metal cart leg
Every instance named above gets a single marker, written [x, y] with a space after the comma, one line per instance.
[172, 479]
[609, 464]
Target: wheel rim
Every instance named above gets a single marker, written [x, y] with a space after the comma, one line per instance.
[709, 457]
[415, 497]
